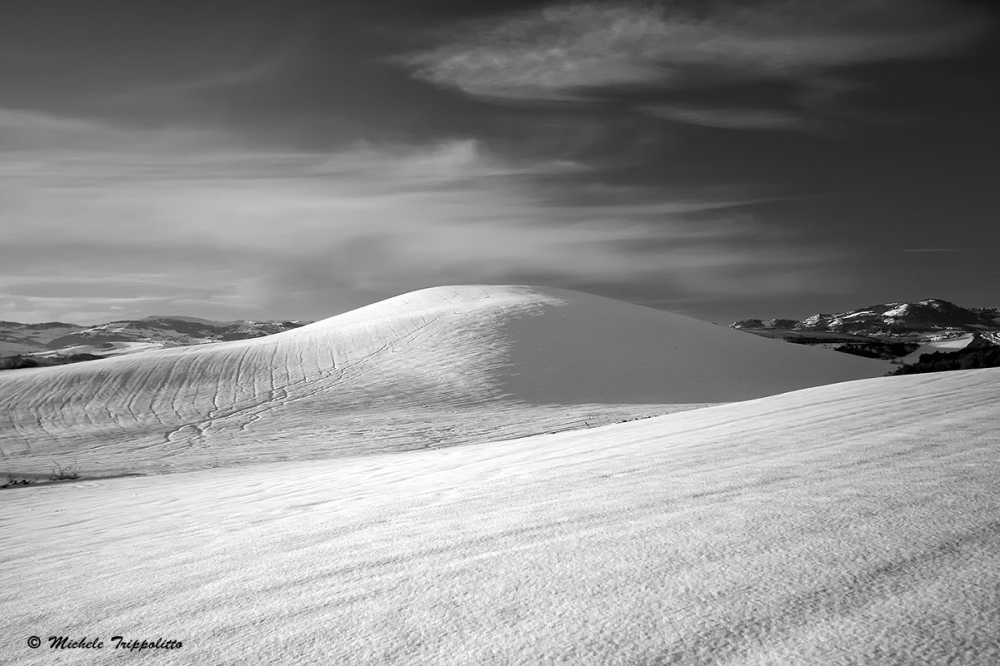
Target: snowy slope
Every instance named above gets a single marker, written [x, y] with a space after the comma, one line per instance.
[438, 366]
[846, 524]
[939, 344]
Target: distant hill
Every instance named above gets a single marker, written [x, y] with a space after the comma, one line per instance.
[888, 319]
[907, 333]
[60, 339]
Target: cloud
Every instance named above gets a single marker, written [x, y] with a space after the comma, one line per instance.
[736, 118]
[565, 52]
[933, 249]
[210, 81]
[191, 222]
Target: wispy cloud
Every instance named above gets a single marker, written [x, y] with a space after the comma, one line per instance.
[933, 249]
[732, 118]
[210, 81]
[567, 51]
[195, 223]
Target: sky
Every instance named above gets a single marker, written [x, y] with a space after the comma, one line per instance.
[720, 159]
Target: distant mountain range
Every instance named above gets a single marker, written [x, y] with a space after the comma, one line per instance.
[127, 336]
[889, 320]
[903, 330]
[905, 333]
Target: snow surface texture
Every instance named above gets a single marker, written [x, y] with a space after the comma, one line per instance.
[857, 523]
[435, 367]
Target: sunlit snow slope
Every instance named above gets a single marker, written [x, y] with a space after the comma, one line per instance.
[841, 525]
[433, 367]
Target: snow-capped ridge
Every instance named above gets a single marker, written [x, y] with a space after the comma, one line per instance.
[891, 318]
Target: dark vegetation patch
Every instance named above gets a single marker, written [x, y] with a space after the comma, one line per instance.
[879, 349]
[27, 361]
[88, 339]
[230, 337]
[964, 359]
[14, 482]
[805, 337]
[817, 340]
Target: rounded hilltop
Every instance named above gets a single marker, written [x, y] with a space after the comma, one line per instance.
[466, 363]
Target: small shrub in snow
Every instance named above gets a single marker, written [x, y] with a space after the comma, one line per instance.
[60, 473]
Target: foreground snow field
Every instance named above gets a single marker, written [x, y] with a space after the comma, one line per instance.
[435, 367]
[857, 523]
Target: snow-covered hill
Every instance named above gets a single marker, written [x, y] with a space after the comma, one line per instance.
[889, 319]
[430, 368]
[847, 524]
